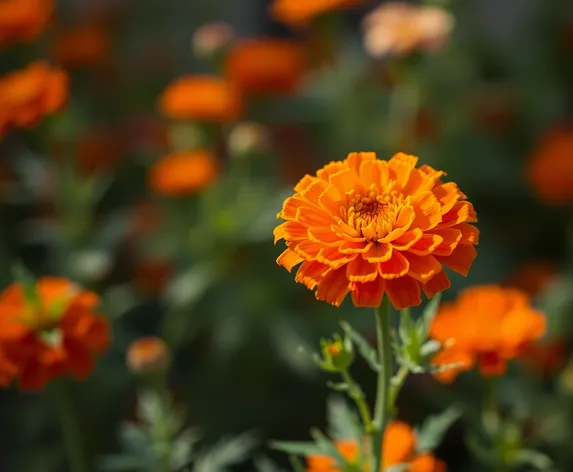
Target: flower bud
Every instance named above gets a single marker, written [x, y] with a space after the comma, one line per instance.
[246, 138]
[148, 355]
[212, 38]
[337, 355]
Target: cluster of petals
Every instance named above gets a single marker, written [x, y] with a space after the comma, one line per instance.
[183, 173]
[399, 447]
[397, 28]
[23, 20]
[298, 13]
[550, 167]
[30, 94]
[58, 334]
[487, 325]
[203, 98]
[371, 227]
[264, 65]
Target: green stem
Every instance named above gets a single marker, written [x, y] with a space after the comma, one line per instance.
[359, 398]
[396, 384]
[383, 408]
[71, 427]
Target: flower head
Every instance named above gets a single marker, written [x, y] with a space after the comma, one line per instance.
[550, 167]
[23, 20]
[487, 325]
[398, 28]
[183, 173]
[57, 334]
[262, 66]
[82, 46]
[202, 98]
[30, 94]
[399, 447]
[149, 354]
[298, 13]
[371, 227]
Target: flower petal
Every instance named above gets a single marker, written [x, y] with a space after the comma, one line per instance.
[470, 234]
[438, 283]
[451, 237]
[448, 194]
[378, 253]
[400, 166]
[360, 270]
[368, 294]
[310, 273]
[461, 259]
[355, 160]
[289, 259]
[323, 235]
[461, 212]
[309, 216]
[396, 266]
[423, 268]
[408, 239]
[428, 211]
[290, 231]
[403, 292]
[345, 180]
[290, 208]
[426, 245]
[331, 200]
[334, 287]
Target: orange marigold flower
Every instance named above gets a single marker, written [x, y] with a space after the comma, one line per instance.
[149, 354]
[550, 167]
[487, 325]
[56, 335]
[82, 46]
[262, 66]
[183, 173]
[202, 98]
[399, 28]
[23, 20]
[30, 94]
[298, 13]
[399, 447]
[374, 227]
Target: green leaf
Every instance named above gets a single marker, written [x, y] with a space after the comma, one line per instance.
[434, 428]
[227, 452]
[327, 446]
[296, 463]
[364, 348]
[534, 459]
[297, 448]
[28, 282]
[429, 313]
[342, 422]
[265, 465]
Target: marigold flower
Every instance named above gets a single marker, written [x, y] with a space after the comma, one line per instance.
[147, 355]
[183, 173]
[399, 28]
[550, 167]
[202, 98]
[399, 447]
[373, 227]
[30, 94]
[487, 325]
[57, 335]
[23, 20]
[299, 13]
[82, 46]
[262, 66]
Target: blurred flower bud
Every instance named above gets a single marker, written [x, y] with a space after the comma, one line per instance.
[212, 38]
[246, 138]
[338, 354]
[184, 136]
[148, 355]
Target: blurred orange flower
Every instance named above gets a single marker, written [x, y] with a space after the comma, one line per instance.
[487, 325]
[399, 447]
[57, 334]
[183, 173]
[82, 46]
[550, 167]
[149, 354]
[374, 227]
[266, 66]
[534, 277]
[203, 98]
[152, 274]
[398, 28]
[298, 13]
[23, 20]
[30, 94]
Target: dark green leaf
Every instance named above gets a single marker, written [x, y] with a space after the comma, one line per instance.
[364, 348]
[434, 428]
[298, 448]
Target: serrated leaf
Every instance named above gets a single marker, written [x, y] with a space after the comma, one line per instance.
[226, 453]
[435, 427]
[535, 459]
[429, 313]
[297, 448]
[342, 422]
[364, 348]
